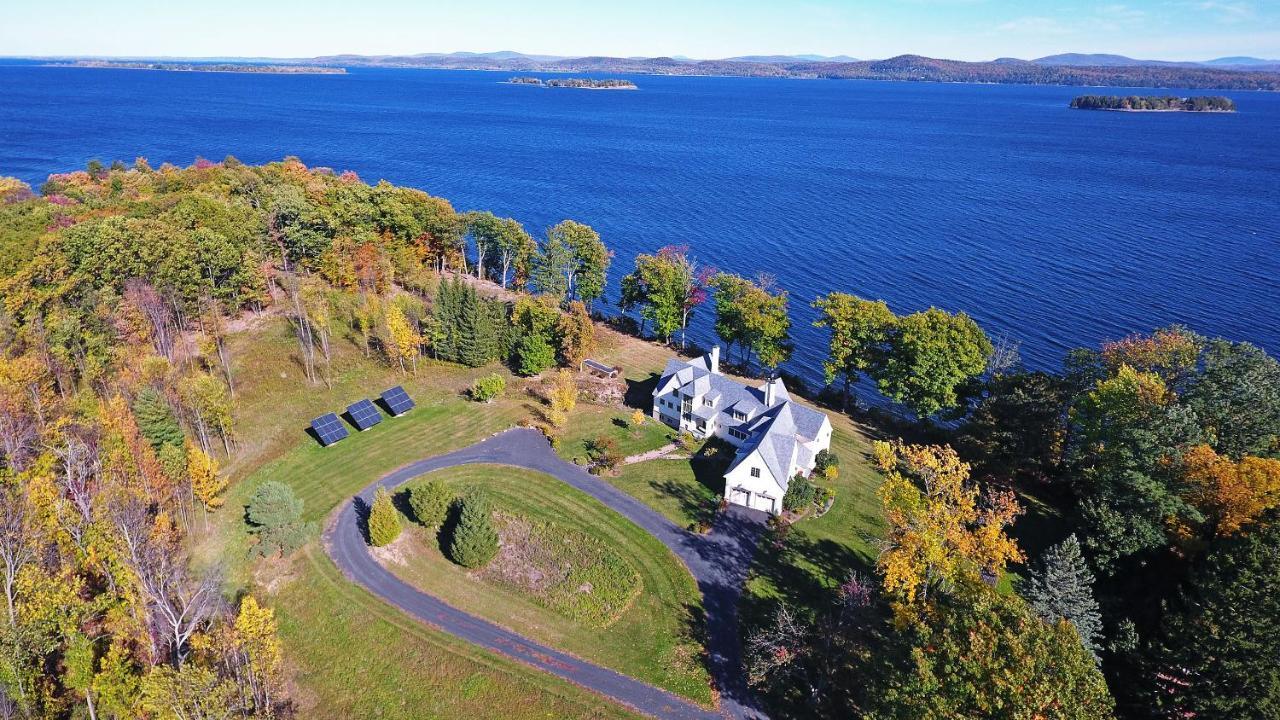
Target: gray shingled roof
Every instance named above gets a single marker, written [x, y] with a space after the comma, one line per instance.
[773, 430]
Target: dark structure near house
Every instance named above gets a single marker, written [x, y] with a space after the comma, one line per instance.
[397, 401]
[599, 369]
[364, 414]
[329, 429]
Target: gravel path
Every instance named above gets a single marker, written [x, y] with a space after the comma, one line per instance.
[718, 561]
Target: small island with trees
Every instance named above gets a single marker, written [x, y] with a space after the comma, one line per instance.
[581, 83]
[1153, 103]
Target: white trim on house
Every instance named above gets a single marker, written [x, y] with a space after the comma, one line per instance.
[776, 437]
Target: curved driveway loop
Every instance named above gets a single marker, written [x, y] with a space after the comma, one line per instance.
[718, 561]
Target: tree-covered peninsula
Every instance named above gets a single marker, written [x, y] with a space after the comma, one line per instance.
[1153, 103]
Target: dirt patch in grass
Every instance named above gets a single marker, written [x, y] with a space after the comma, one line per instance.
[565, 571]
[394, 553]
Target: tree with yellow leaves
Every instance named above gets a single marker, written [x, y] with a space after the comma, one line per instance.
[1230, 494]
[404, 341]
[564, 392]
[256, 635]
[206, 484]
[942, 529]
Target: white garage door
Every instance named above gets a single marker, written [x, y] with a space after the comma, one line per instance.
[740, 497]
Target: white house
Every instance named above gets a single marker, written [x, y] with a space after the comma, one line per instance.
[776, 437]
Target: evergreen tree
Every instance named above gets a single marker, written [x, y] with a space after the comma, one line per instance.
[446, 311]
[430, 503]
[477, 339]
[384, 521]
[1061, 587]
[533, 354]
[156, 420]
[475, 542]
[275, 516]
[1219, 655]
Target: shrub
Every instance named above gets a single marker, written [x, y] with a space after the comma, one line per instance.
[687, 441]
[824, 461]
[430, 503]
[474, 541]
[564, 392]
[384, 521]
[275, 516]
[637, 419]
[487, 388]
[604, 454]
[800, 494]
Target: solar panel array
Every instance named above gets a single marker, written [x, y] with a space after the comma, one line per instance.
[363, 414]
[329, 429]
[397, 400]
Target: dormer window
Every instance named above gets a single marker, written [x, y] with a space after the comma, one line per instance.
[738, 415]
[708, 402]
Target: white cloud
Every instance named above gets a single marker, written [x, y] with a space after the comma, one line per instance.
[1226, 11]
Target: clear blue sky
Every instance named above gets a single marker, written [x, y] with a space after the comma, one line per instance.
[963, 29]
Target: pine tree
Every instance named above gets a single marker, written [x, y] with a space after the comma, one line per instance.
[1061, 586]
[446, 315]
[384, 521]
[475, 542]
[156, 420]
[430, 503]
[477, 341]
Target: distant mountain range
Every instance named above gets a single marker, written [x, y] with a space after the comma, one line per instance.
[1102, 60]
[1235, 73]
[1227, 73]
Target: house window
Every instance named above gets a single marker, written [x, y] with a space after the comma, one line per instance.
[735, 432]
[755, 472]
[738, 415]
[708, 402]
[702, 426]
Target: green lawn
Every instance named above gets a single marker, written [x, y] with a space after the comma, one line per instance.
[590, 421]
[655, 639]
[351, 655]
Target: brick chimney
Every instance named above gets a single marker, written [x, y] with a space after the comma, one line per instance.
[714, 357]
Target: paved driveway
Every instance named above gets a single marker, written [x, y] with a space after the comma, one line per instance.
[718, 561]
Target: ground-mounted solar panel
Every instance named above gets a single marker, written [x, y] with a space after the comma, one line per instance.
[397, 401]
[329, 429]
[364, 414]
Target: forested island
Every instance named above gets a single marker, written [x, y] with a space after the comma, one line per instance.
[208, 67]
[1154, 103]
[582, 83]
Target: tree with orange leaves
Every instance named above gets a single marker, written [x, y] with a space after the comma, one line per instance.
[942, 528]
[1231, 494]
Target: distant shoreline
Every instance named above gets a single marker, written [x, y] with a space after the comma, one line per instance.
[208, 68]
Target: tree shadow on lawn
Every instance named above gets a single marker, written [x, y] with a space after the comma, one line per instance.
[803, 574]
[640, 392]
[699, 504]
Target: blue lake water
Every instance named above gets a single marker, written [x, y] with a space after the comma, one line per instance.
[1053, 227]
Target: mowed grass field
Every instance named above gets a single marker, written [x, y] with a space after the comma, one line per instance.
[657, 637]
